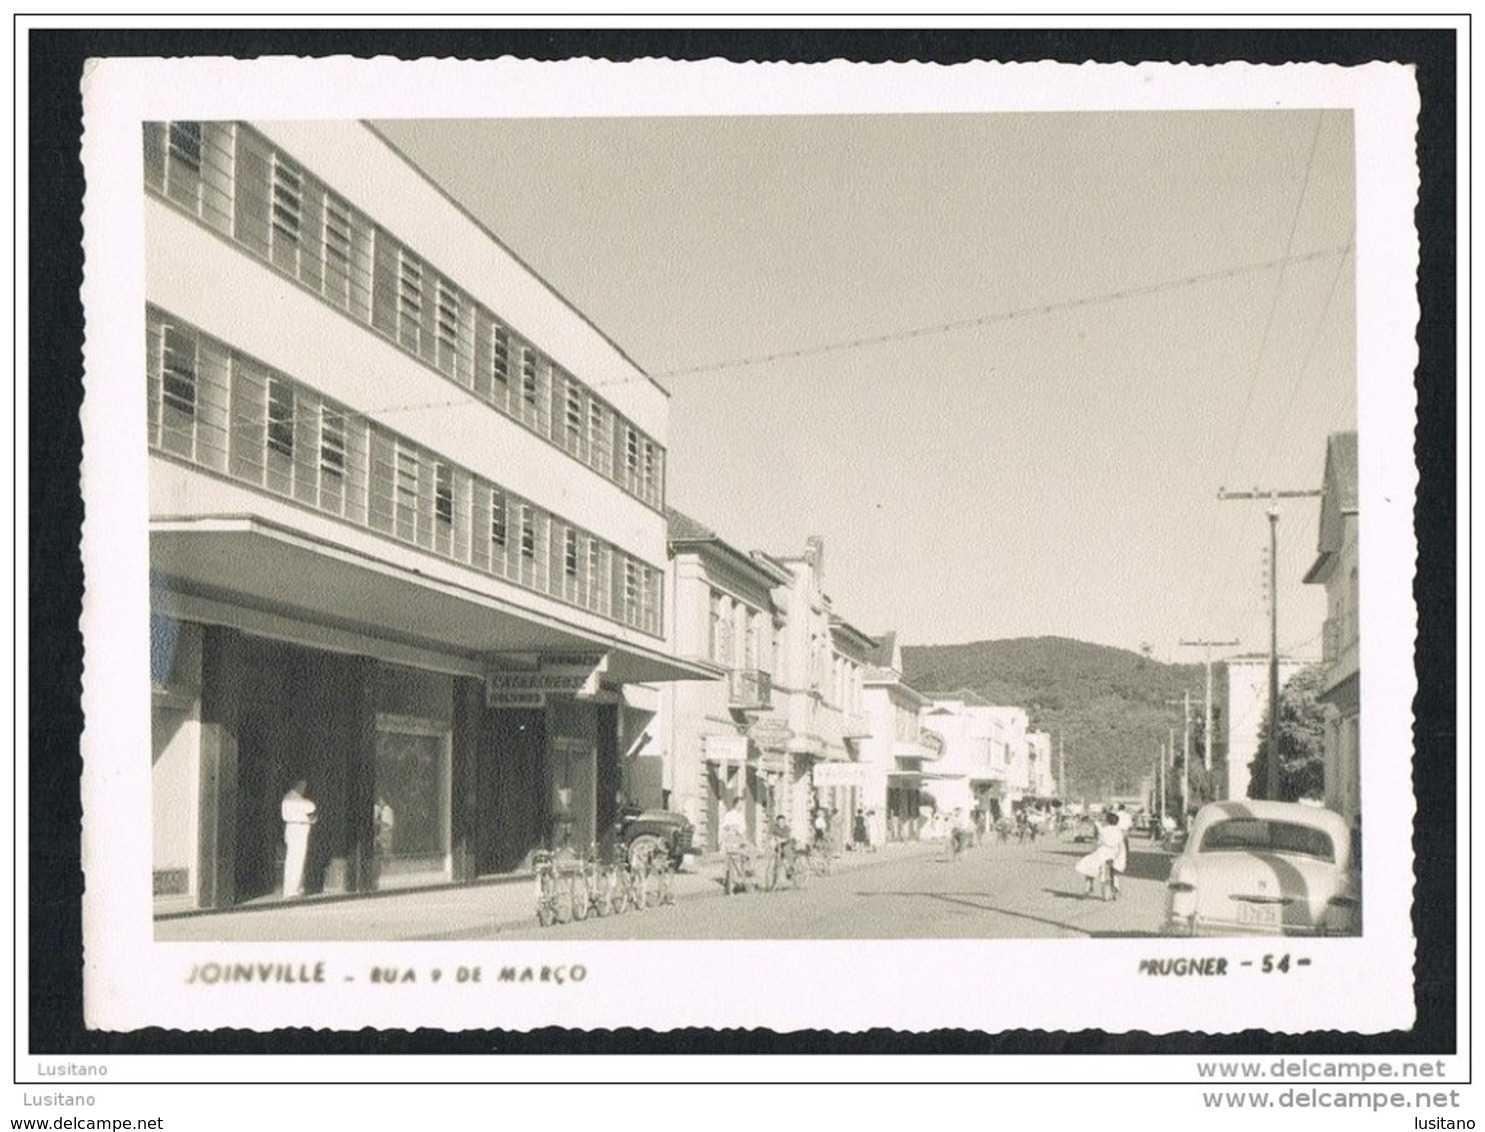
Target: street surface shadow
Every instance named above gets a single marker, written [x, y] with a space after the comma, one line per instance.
[1063, 894]
[1148, 866]
[979, 905]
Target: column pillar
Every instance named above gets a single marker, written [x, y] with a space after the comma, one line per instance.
[223, 692]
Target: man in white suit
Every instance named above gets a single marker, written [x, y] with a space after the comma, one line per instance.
[298, 814]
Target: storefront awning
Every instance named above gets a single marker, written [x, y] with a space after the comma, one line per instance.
[246, 571]
[920, 776]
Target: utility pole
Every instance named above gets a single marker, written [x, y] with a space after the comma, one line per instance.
[1271, 787]
[1185, 702]
[1209, 645]
[1160, 784]
[1062, 765]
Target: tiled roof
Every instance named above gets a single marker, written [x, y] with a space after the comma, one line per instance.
[1340, 458]
[886, 647]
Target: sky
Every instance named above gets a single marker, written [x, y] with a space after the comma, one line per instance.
[1002, 363]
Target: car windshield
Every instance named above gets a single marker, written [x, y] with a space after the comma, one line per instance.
[1248, 835]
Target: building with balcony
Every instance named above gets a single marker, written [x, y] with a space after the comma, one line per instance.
[819, 682]
[728, 737]
[784, 726]
[1335, 568]
[407, 529]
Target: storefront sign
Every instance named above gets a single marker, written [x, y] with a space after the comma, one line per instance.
[528, 684]
[511, 700]
[826, 775]
[725, 748]
[770, 734]
[932, 741]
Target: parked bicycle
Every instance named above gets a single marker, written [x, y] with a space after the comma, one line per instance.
[651, 875]
[600, 883]
[561, 887]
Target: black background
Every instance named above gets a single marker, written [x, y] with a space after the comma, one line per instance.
[53, 133]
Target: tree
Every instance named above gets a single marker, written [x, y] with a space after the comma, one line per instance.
[1301, 740]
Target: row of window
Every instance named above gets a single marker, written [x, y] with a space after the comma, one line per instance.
[224, 411]
[738, 635]
[232, 178]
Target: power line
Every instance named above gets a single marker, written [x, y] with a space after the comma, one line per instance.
[1273, 308]
[1237, 433]
[1304, 365]
[1008, 315]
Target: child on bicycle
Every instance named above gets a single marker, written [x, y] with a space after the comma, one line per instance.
[1112, 849]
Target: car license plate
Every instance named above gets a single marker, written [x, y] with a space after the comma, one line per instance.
[1258, 915]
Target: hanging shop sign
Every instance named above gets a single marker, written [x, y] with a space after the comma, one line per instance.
[527, 680]
[826, 775]
[932, 741]
[770, 734]
[725, 748]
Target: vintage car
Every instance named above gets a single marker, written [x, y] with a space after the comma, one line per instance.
[1265, 868]
[640, 831]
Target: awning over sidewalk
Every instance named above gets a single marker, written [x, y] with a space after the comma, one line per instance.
[247, 562]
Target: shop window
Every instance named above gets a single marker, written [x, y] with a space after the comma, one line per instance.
[410, 812]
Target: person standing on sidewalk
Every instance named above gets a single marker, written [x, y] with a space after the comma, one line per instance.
[299, 814]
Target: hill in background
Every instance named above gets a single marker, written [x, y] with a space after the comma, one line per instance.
[1108, 708]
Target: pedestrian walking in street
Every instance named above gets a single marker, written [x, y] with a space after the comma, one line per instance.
[299, 815]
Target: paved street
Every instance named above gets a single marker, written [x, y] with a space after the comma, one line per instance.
[995, 892]
[904, 892]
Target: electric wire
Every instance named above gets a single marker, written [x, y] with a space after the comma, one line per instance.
[1056, 307]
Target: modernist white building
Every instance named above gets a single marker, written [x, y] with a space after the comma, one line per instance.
[1247, 706]
[407, 526]
[1336, 568]
[898, 758]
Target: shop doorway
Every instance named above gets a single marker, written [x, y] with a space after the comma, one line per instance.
[573, 796]
[412, 800]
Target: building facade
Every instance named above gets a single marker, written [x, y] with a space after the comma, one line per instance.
[818, 688]
[407, 531]
[728, 737]
[1336, 568]
[897, 756]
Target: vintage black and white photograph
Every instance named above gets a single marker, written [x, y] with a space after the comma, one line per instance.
[584, 525]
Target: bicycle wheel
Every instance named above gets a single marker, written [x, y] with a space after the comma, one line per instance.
[546, 900]
[639, 896]
[618, 885]
[577, 886]
[602, 894]
[771, 873]
[799, 872]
